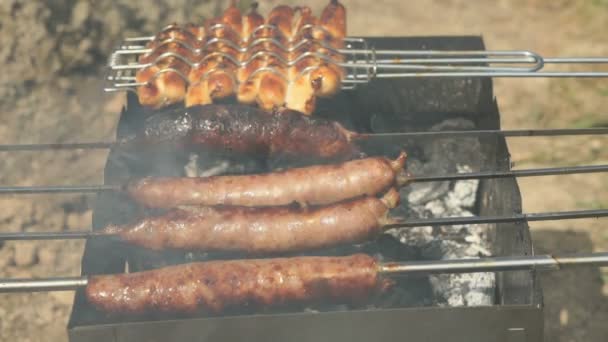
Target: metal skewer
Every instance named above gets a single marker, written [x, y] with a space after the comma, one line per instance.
[495, 264]
[531, 217]
[22, 190]
[362, 136]
[360, 59]
[443, 221]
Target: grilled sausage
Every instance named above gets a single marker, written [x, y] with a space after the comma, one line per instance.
[165, 83]
[251, 21]
[232, 18]
[300, 94]
[214, 76]
[281, 17]
[327, 78]
[248, 130]
[170, 47]
[214, 286]
[172, 51]
[300, 91]
[248, 82]
[333, 19]
[187, 34]
[314, 185]
[273, 79]
[261, 230]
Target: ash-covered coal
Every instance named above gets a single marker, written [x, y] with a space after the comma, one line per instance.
[448, 199]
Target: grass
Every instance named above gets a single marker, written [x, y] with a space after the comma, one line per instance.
[590, 120]
[592, 205]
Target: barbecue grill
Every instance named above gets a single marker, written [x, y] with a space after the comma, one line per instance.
[415, 310]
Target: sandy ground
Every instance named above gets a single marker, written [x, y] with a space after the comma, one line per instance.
[53, 53]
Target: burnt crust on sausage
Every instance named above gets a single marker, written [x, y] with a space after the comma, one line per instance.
[247, 130]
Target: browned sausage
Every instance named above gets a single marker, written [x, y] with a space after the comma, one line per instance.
[282, 18]
[212, 79]
[272, 87]
[333, 19]
[248, 82]
[327, 79]
[251, 21]
[247, 130]
[300, 94]
[182, 49]
[314, 185]
[164, 83]
[261, 230]
[214, 286]
[177, 32]
[232, 18]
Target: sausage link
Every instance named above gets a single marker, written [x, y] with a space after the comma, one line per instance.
[214, 286]
[250, 22]
[163, 83]
[247, 130]
[314, 185]
[333, 19]
[261, 230]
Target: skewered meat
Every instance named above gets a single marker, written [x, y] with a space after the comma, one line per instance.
[314, 185]
[333, 19]
[327, 78]
[214, 76]
[214, 286]
[243, 129]
[228, 56]
[248, 83]
[300, 91]
[261, 230]
[165, 83]
[170, 57]
[188, 34]
[273, 75]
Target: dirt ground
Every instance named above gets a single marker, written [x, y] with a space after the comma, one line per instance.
[53, 53]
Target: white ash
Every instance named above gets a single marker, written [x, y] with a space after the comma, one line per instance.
[447, 199]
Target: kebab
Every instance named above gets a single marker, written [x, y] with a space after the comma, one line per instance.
[284, 61]
[169, 59]
[261, 230]
[214, 76]
[215, 286]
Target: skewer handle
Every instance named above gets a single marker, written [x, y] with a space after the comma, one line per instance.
[497, 264]
[40, 285]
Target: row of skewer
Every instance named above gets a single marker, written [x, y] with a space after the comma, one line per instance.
[252, 219]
